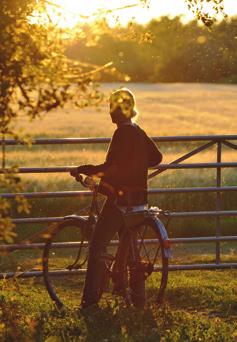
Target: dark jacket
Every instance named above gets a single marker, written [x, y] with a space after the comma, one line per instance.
[124, 172]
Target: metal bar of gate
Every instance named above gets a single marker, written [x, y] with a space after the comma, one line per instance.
[40, 245]
[161, 166]
[193, 267]
[218, 203]
[55, 194]
[171, 214]
[61, 141]
[186, 156]
[228, 144]
[190, 189]
[189, 267]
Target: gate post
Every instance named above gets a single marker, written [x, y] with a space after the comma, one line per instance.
[218, 202]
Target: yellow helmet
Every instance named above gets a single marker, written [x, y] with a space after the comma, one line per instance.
[124, 99]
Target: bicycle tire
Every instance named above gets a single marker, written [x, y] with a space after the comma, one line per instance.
[151, 246]
[58, 259]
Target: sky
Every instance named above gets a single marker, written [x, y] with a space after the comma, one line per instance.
[75, 10]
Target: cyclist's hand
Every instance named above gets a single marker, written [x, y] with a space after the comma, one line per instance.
[79, 178]
[84, 169]
[74, 172]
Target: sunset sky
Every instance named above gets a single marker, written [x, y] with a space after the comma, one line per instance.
[73, 11]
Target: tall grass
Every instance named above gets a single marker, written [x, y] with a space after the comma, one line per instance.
[165, 109]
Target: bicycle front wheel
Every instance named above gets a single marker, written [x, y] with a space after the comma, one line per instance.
[65, 261]
[153, 262]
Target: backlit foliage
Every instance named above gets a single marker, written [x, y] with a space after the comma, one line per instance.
[206, 10]
[36, 77]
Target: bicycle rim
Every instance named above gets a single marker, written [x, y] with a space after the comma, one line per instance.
[65, 262]
[153, 262]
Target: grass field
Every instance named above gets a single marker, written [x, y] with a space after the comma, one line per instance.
[199, 305]
[165, 110]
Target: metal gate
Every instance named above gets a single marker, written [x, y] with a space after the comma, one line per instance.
[207, 141]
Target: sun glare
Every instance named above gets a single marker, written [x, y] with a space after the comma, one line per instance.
[69, 13]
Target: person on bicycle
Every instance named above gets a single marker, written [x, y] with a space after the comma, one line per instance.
[123, 179]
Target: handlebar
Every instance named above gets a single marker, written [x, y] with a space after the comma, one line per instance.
[86, 181]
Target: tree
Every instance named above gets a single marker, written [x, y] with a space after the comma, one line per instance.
[206, 10]
[35, 77]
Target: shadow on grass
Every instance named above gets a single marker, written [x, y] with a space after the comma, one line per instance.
[119, 323]
[114, 322]
[209, 299]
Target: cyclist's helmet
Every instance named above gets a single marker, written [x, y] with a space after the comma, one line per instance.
[124, 100]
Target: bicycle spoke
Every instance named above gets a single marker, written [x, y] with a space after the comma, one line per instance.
[141, 238]
[157, 252]
[143, 244]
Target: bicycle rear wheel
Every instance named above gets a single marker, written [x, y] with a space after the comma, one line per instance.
[152, 261]
[65, 261]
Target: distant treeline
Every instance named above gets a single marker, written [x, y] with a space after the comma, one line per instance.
[165, 50]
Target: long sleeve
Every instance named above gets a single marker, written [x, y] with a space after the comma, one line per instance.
[154, 155]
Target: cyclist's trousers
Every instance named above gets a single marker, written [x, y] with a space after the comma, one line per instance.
[110, 221]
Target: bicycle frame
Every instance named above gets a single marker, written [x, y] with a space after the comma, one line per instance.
[131, 255]
[150, 215]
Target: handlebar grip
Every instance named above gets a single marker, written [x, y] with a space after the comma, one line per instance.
[87, 181]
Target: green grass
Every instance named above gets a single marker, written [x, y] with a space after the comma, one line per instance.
[199, 306]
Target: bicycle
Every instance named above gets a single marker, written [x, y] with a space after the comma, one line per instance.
[66, 250]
